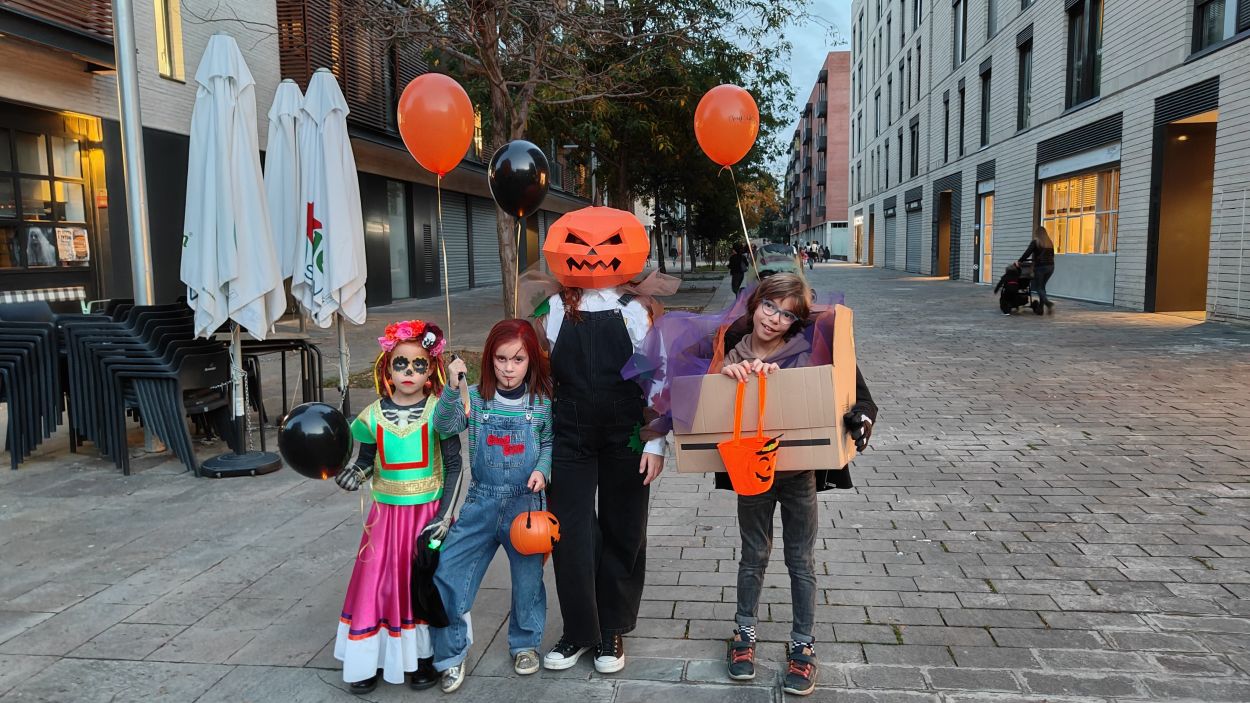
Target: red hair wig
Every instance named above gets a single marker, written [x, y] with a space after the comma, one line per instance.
[505, 331]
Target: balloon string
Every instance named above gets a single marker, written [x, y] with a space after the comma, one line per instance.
[742, 216]
[516, 281]
[443, 245]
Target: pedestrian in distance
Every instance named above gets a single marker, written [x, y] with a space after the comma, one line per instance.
[510, 435]
[1042, 252]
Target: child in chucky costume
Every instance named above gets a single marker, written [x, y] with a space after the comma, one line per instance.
[407, 463]
[509, 425]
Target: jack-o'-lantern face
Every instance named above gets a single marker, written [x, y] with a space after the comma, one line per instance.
[751, 463]
[596, 247]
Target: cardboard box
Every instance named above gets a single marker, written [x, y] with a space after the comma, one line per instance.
[805, 406]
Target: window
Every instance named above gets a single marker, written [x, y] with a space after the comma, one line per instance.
[1025, 4]
[887, 163]
[901, 94]
[43, 201]
[919, 53]
[962, 119]
[1084, 51]
[902, 23]
[1217, 20]
[879, 4]
[861, 81]
[915, 149]
[915, 13]
[880, 45]
[908, 79]
[876, 57]
[169, 39]
[889, 100]
[889, 36]
[946, 128]
[991, 18]
[900, 155]
[960, 22]
[1024, 85]
[854, 144]
[985, 108]
[876, 113]
[1081, 213]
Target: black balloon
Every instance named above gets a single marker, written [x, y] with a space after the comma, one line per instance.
[519, 176]
[315, 440]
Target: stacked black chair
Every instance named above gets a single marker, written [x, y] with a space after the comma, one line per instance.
[29, 380]
[146, 362]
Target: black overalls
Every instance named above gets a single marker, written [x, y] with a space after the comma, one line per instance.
[600, 561]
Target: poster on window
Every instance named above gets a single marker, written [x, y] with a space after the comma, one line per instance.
[40, 247]
[71, 245]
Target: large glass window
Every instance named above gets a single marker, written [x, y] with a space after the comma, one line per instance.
[1081, 213]
[169, 39]
[985, 108]
[1024, 85]
[43, 201]
[1084, 51]
[991, 18]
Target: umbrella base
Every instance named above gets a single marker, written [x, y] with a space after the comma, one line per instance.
[246, 464]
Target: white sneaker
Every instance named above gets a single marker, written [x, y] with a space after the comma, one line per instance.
[526, 662]
[610, 655]
[452, 678]
[563, 656]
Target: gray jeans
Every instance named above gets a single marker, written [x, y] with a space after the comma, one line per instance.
[800, 523]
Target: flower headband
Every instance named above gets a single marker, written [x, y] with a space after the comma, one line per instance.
[427, 335]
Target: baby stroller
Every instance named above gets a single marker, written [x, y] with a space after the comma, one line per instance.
[1015, 289]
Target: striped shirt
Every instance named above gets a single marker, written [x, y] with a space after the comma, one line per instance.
[449, 419]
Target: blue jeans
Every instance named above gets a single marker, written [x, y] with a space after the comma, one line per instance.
[481, 529]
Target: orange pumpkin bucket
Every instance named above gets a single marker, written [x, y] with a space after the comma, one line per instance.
[750, 461]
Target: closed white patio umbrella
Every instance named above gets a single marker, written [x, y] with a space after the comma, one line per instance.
[329, 281]
[282, 174]
[229, 262]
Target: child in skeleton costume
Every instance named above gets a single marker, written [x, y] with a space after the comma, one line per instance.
[592, 326]
[405, 463]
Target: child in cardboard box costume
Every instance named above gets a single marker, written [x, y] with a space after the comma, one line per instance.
[593, 323]
[769, 328]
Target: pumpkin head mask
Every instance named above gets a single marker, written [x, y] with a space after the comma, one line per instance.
[596, 247]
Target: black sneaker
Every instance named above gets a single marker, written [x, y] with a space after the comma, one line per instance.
[362, 687]
[425, 676]
[741, 658]
[564, 655]
[610, 655]
[801, 671]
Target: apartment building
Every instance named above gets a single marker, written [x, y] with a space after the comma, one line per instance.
[816, 176]
[1120, 127]
[63, 220]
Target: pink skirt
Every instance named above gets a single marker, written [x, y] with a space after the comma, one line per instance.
[377, 629]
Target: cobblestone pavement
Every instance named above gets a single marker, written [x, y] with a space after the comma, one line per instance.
[1053, 509]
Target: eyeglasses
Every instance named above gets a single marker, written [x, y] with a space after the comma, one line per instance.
[400, 364]
[772, 310]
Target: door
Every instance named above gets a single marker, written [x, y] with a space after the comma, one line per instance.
[456, 240]
[984, 245]
[890, 241]
[859, 244]
[400, 238]
[915, 227]
[944, 235]
[872, 240]
[1184, 220]
[487, 271]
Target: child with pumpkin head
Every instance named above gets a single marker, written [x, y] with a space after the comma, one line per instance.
[765, 340]
[407, 462]
[509, 423]
[592, 327]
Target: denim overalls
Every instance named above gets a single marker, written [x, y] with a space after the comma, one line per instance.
[504, 456]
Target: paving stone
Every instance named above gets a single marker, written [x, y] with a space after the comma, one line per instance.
[874, 676]
[1101, 660]
[995, 657]
[908, 654]
[98, 681]
[16, 668]
[972, 679]
[1153, 641]
[127, 641]
[1202, 689]
[1073, 685]
[14, 623]
[645, 692]
[1067, 639]
[1193, 664]
[964, 636]
[68, 629]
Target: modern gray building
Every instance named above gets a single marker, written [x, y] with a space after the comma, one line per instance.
[1124, 130]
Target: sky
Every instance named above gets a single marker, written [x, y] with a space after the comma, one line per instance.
[810, 42]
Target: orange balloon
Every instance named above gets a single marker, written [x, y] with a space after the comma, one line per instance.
[726, 124]
[436, 121]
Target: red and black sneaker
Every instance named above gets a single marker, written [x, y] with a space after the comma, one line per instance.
[741, 657]
[801, 671]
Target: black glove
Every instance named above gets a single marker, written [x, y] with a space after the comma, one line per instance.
[350, 478]
[859, 426]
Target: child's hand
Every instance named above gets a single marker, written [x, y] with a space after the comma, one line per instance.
[762, 368]
[537, 482]
[455, 369]
[739, 372]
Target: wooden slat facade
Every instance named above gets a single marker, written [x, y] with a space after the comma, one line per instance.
[93, 18]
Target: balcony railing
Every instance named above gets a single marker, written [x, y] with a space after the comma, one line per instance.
[81, 27]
